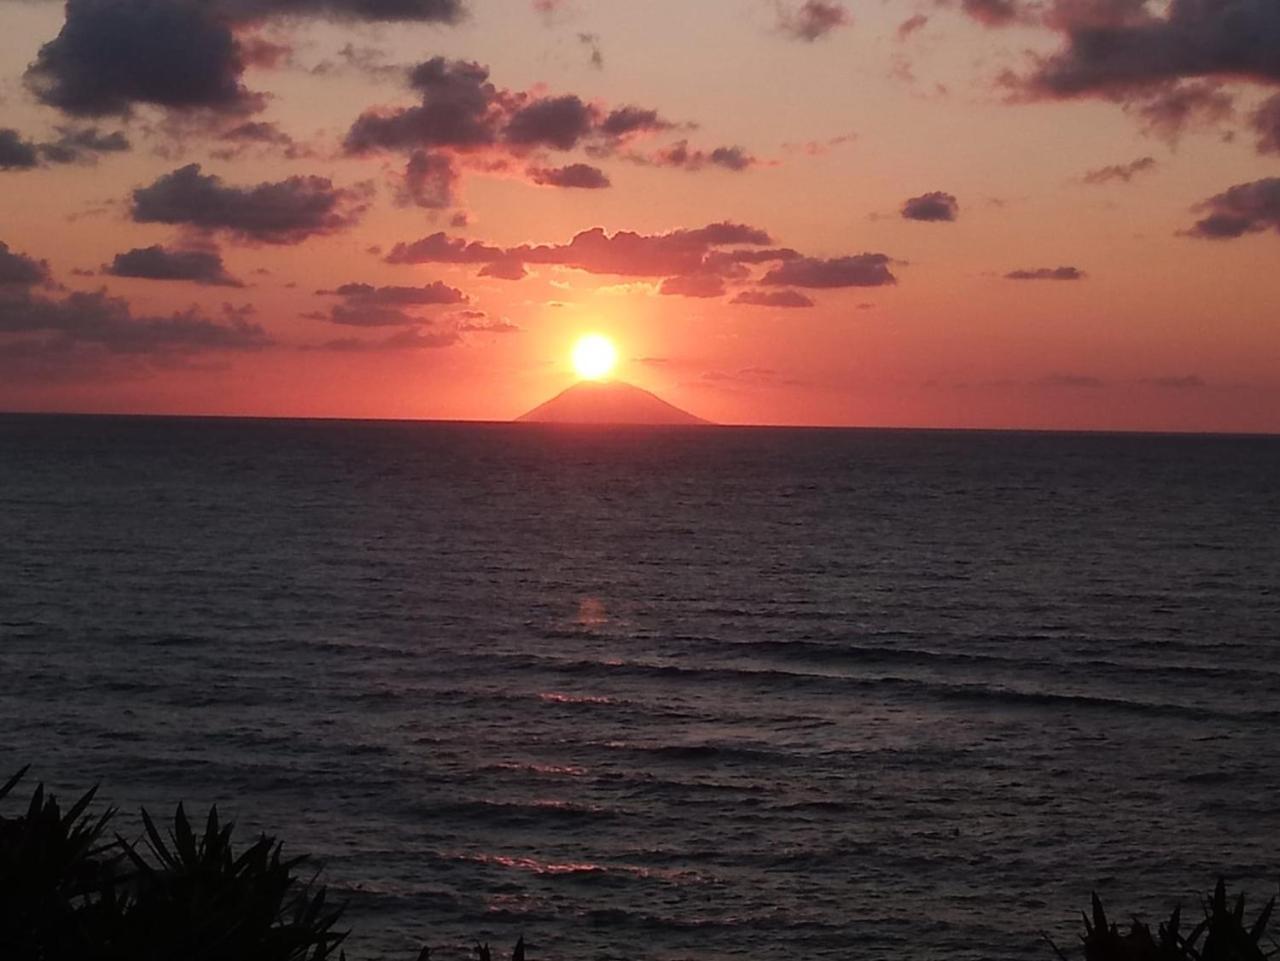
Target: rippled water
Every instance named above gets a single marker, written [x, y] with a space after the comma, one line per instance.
[660, 694]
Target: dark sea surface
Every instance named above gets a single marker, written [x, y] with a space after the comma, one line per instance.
[664, 693]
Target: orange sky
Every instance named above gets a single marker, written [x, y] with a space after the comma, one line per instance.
[890, 164]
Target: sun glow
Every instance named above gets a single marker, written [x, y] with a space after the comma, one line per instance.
[594, 357]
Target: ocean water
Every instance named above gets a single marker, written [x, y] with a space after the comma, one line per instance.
[660, 694]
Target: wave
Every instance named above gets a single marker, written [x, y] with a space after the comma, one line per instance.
[998, 696]
[516, 813]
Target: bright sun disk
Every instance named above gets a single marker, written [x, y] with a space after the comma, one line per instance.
[594, 356]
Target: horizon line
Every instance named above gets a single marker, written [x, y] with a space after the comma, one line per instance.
[533, 425]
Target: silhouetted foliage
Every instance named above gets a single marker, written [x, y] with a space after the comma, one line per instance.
[67, 893]
[1222, 935]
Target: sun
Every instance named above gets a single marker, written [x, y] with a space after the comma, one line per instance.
[594, 356]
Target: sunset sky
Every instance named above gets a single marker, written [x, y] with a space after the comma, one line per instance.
[948, 213]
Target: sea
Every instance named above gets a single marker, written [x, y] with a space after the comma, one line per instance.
[663, 693]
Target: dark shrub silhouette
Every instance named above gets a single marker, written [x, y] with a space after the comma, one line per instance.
[1222, 935]
[67, 893]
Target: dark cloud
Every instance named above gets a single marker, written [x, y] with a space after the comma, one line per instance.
[460, 109]
[107, 323]
[723, 234]
[859, 270]
[1046, 273]
[16, 153]
[19, 270]
[731, 158]
[556, 122]
[624, 253]
[812, 19]
[1266, 123]
[1170, 110]
[677, 254]
[159, 263]
[113, 54]
[574, 175]
[82, 145]
[430, 180]
[73, 145]
[1243, 209]
[483, 127]
[693, 285]
[627, 121]
[1122, 172]
[434, 293]
[1116, 47]
[439, 248]
[285, 212]
[365, 305]
[508, 268]
[683, 157]
[934, 206]
[772, 298]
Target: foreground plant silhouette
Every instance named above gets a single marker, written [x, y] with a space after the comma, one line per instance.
[70, 893]
[1222, 935]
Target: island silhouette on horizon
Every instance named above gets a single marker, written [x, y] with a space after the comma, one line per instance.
[608, 402]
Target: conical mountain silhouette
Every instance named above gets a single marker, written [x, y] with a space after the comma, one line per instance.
[608, 402]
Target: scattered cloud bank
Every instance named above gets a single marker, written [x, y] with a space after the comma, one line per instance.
[73, 145]
[41, 330]
[704, 262]
[364, 305]
[680, 156]
[464, 121]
